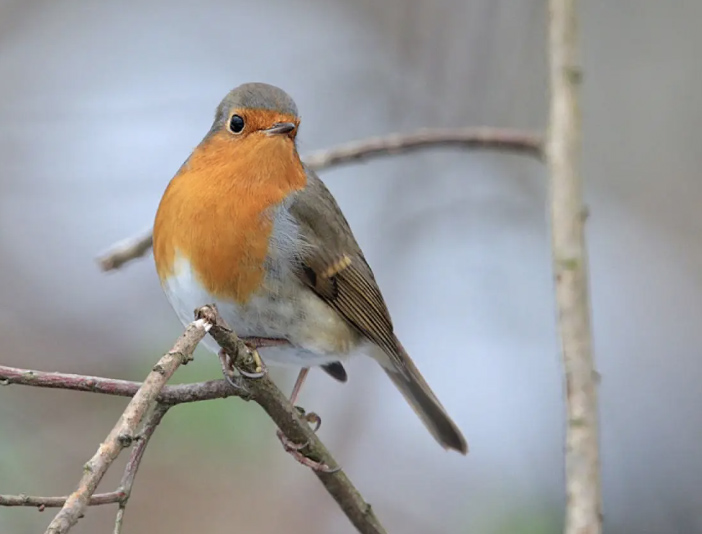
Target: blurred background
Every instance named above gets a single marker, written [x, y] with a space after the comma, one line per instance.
[100, 103]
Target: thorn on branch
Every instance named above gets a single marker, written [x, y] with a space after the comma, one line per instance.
[185, 359]
[125, 440]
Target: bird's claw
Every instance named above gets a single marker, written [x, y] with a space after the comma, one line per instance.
[230, 370]
[235, 382]
[261, 369]
[258, 374]
[293, 449]
[311, 418]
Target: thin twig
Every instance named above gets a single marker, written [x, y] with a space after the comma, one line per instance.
[125, 487]
[126, 250]
[176, 394]
[124, 431]
[121, 495]
[470, 138]
[265, 393]
[583, 487]
[56, 502]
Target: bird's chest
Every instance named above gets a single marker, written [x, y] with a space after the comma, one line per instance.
[279, 307]
[271, 311]
[254, 285]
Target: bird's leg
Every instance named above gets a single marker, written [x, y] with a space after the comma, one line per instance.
[261, 342]
[298, 384]
[294, 448]
[310, 417]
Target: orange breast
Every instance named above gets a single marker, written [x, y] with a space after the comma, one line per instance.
[216, 212]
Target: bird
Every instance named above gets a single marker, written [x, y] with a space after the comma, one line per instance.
[246, 225]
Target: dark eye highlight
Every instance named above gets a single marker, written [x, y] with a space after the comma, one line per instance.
[236, 124]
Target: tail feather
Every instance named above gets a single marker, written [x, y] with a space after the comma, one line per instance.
[425, 404]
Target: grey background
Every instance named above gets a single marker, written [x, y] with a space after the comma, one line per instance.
[99, 105]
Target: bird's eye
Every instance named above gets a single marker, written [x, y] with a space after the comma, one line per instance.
[236, 124]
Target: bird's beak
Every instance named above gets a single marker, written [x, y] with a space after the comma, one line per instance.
[280, 128]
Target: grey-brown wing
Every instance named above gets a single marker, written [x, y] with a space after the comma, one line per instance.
[333, 266]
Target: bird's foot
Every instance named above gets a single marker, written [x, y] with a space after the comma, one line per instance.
[294, 449]
[261, 369]
[255, 343]
[310, 417]
[230, 371]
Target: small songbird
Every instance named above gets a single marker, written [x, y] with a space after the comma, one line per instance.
[247, 226]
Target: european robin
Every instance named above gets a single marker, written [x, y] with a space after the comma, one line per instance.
[244, 224]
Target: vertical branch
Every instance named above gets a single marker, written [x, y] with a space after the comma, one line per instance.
[583, 514]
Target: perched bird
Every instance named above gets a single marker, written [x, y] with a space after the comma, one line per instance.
[245, 225]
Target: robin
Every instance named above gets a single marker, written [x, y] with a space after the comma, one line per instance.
[244, 224]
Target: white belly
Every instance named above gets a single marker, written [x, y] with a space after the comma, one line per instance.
[284, 310]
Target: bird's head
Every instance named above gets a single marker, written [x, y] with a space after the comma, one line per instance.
[256, 112]
[251, 141]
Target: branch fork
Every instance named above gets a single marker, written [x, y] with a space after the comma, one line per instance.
[150, 402]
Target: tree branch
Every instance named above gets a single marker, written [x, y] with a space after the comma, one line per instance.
[262, 390]
[514, 141]
[57, 502]
[470, 138]
[124, 432]
[127, 250]
[125, 487]
[583, 487]
[171, 395]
